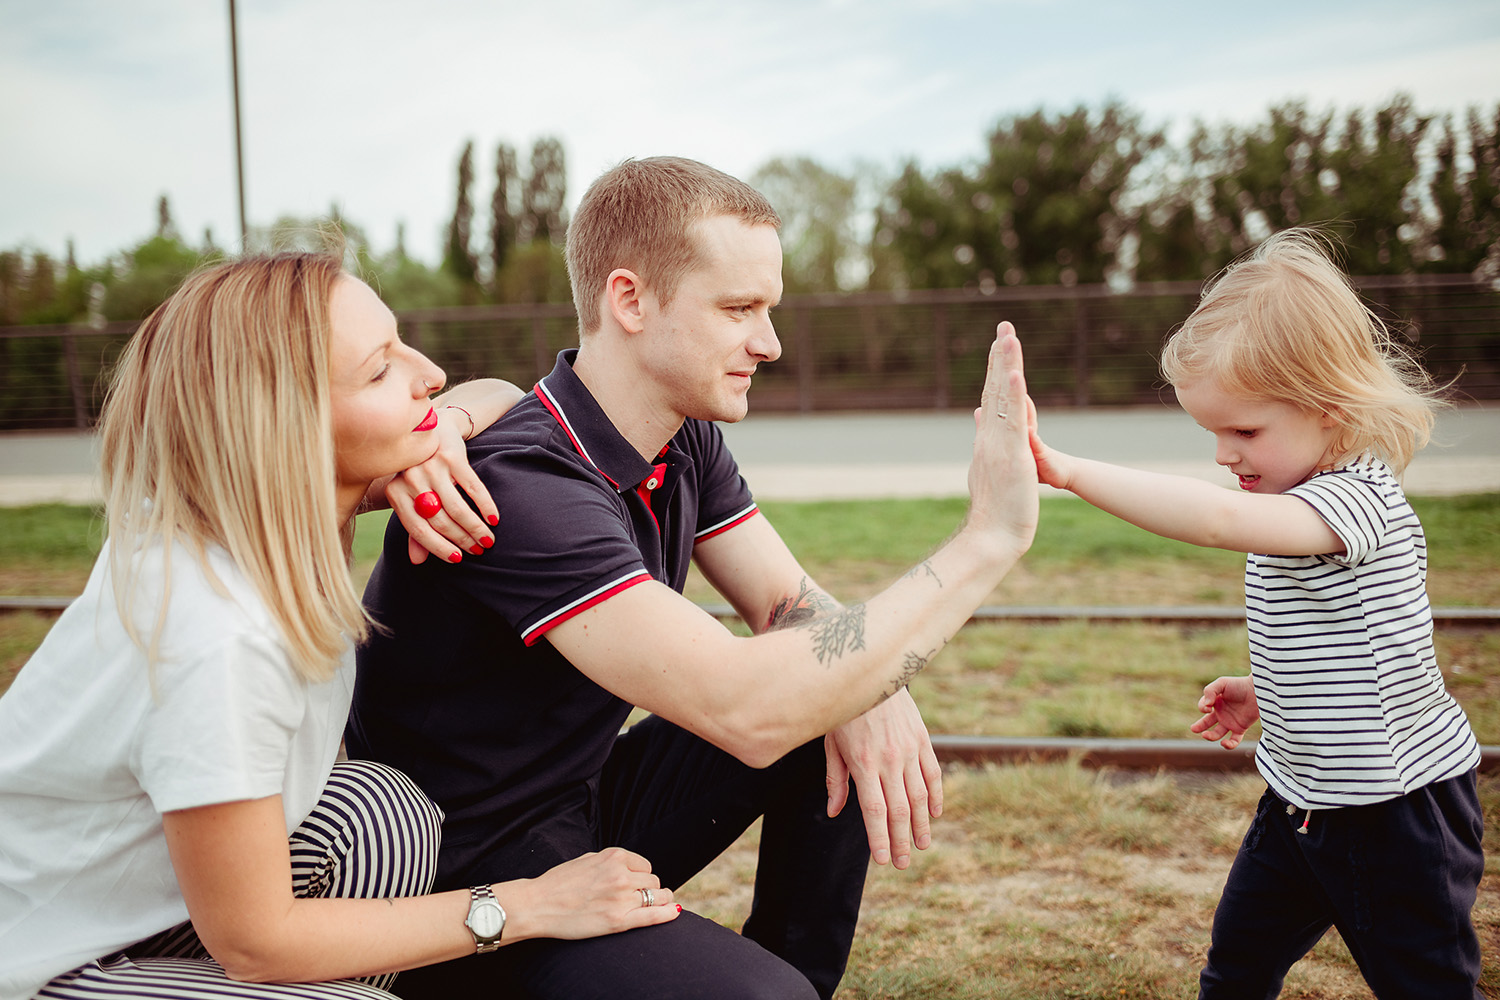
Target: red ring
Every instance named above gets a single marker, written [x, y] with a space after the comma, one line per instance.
[428, 505]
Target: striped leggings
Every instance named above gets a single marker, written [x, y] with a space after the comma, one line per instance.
[372, 834]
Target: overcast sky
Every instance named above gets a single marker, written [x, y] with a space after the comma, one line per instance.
[367, 103]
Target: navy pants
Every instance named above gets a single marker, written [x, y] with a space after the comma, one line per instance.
[679, 801]
[1398, 879]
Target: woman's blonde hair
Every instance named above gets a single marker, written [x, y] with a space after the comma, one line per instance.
[1283, 323]
[217, 430]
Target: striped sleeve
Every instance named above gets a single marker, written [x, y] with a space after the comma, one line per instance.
[1353, 507]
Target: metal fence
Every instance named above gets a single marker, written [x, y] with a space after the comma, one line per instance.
[1086, 345]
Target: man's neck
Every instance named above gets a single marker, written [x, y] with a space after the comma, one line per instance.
[627, 398]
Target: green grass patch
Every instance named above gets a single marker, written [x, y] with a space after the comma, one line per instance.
[1463, 532]
[890, 535]
[49, 531]
[900, 533]
[1131, 679]
[1044, 880]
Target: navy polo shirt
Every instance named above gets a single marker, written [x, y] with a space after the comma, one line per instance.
[458, 691]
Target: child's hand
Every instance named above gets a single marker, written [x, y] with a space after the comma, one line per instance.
[1228, 707]
[1051, 465]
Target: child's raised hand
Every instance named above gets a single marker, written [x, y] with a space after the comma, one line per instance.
[1229, 709]
[1051, 465]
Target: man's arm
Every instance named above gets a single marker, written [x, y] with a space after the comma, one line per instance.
[887, 750]
[760, 697]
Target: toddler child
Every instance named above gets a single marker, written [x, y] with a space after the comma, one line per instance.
[1371, 820]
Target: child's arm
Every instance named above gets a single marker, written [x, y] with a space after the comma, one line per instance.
[1190, 510]
[1229, 709]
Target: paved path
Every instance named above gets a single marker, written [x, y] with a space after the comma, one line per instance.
[927, 454]
[865, 455]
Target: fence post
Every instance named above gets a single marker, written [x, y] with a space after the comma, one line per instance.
[804, 360]
[1080, 351]
[539, 346]
[940, 375]
[75, 382]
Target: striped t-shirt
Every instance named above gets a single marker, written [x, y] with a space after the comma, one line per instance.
[1352, 705]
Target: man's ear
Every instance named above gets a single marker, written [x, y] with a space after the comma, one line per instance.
[624, 298]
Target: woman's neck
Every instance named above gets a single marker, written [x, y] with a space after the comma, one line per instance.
[351, 500]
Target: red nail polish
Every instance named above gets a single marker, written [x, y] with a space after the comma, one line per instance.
[679, 907]
[486, 542]
[494, 520]
[477, 550]
[456, 557]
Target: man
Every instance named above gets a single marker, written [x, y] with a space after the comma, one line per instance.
[502, 682]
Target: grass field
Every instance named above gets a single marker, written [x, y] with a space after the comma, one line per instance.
[1045, 880]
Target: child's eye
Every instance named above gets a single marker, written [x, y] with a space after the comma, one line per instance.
[1245, 434]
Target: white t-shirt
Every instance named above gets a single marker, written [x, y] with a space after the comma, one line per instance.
[92, 752]
[1353, 709]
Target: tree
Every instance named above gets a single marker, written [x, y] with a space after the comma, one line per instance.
[1262, 179]
[535, 272]
[458, 258]
[1046, 206]
[405, 283]
[165, 227]
[1298, 170]
[1067, 177]
[314, 234]
[1466, 202]
[1373, 191]
[149, 272]
[545, 193]
[503, 221]
[818, 209]
[922, 228]
[12, 286]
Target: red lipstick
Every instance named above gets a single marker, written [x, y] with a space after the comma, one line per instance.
[428, 422]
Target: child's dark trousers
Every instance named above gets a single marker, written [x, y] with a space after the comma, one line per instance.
[1398, 879]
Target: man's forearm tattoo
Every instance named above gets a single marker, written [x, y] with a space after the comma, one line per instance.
[924, 568]
[839, 633]
[912, 665]
[793, 611]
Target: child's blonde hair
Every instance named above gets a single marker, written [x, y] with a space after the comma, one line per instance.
[217, 429]
[1283, 323]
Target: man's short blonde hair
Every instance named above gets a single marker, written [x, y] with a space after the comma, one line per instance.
[639, 216]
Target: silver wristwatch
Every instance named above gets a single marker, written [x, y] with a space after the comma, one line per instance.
[486, 920]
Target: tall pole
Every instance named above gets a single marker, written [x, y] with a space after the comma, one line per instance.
[239, 146]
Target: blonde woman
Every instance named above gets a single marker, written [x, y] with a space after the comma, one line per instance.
[172, 819]
[1371, 819]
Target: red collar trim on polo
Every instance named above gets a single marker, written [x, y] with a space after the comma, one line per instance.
[649, 485]
[555, 408]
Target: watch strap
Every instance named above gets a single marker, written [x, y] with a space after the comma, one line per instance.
[484, 896]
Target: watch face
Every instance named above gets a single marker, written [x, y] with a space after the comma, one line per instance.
[485, 920]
